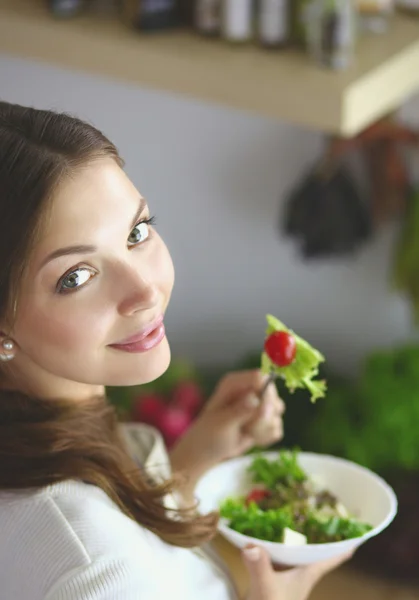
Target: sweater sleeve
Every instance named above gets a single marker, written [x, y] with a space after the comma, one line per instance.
[102, 580]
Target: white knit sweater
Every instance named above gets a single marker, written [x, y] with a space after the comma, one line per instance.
[69, 541]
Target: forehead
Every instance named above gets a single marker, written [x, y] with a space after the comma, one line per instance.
[95, 198]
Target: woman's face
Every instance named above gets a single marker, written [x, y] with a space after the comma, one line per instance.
[99, 275]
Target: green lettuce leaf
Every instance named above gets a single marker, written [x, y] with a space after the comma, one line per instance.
[250, 520]
[284, 469]
[301, 373]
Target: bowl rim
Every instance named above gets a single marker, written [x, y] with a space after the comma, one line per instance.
[391, 495]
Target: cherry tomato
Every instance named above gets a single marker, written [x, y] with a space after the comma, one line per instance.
[281, 348]
[256, 495]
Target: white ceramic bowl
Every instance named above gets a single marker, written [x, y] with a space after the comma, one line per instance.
[366, 495]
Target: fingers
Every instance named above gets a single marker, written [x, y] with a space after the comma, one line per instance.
[246, 443]
[298, 582]
[266, 424]
[261, 573]
[265, 431]
[271, 397]
[241, 410]
[271, 409]
[261, 423]
[236, 398]
[317, 571]
[235, 384]
[326, 566]
[239, 382]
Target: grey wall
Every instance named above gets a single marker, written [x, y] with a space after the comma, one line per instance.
[215, 177]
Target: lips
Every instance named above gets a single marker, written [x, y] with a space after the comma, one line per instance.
[141, 335]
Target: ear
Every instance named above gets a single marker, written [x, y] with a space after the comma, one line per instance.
[7, 348]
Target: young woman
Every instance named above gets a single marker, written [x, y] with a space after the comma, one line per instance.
[88, 508]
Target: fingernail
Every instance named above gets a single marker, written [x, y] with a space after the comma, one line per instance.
[252, 401]
[252, 554]
[267, 411]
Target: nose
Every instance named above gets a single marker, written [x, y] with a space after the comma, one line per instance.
[138, 293]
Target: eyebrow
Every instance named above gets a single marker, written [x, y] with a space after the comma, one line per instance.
[88, 248]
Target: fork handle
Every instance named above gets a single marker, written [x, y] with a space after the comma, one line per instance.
[270, 379]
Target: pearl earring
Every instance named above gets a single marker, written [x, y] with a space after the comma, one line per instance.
[8, 347]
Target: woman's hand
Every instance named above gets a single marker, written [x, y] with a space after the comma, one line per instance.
[292, 584]
[233, 421]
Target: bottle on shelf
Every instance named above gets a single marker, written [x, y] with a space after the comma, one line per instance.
[105, 8]
[65, 8]
[237, 20]
[331, 30]
[274, 22]
[186, 10]
[374, 15]
[150, 15]
[207, 17]
[298, 10]
[409, 6]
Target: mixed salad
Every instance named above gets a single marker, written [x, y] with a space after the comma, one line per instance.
[286, 506]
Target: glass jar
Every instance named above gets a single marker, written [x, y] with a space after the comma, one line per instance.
[374, 15]
[208, 17]
[237, 20]
[331, 32]
[408, 6]
[66, 8]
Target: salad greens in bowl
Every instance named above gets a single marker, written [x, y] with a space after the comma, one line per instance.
[301, 507]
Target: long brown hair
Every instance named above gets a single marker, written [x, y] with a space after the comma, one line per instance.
[47, 441]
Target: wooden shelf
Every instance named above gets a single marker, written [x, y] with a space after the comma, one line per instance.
[282, 85]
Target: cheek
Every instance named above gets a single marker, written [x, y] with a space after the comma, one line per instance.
[164, 269]
[64, 326]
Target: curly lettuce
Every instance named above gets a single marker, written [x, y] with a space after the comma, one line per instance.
[271, 472]
[301, 373]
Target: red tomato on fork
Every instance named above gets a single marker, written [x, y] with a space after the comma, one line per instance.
[281, 348]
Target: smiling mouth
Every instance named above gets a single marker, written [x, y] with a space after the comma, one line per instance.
[145, 340]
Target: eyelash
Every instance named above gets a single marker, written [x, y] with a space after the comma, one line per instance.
[60, 290]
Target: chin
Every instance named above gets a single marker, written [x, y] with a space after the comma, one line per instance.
[142, 368]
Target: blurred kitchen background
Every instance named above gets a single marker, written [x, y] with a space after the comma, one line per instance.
[277, 145]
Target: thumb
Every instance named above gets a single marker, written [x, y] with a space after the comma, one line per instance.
[261, 573]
